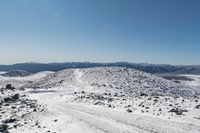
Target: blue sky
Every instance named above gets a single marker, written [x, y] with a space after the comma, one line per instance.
[153, 31]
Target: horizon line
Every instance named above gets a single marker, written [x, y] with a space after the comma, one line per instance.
[98, 63]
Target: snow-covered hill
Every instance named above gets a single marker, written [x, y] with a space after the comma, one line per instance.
[21, 81]
[195, 82]
[54, 80]
[15, 73]
[115, 80]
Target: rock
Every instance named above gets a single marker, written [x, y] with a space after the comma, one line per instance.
[197, 107]
[16, 96]
[10, 87]
[8, 99]
[143, 94]
[129, 106]
[3, 128]
[178, 111]
[22, 89]
[13, 107]
[12, 120]
[37, 123]
[146, 107]
[129, 110]
[110, 99]
[11, 98]
[7, 104]
[140, 104]
[15, 126]
[156, 100]
[116, 94]
[109, 105]
[97, 103]
[149, 98]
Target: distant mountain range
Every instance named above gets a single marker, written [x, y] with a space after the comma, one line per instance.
[149, 68]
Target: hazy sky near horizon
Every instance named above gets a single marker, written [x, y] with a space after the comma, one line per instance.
[153, 31]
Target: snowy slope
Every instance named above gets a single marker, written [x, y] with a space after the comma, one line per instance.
[20, 81]
[53, 80]
[16, 73]
[115, 80]
[195, 81]
[2, 72]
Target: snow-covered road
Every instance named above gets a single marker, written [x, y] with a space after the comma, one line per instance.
[73, 117]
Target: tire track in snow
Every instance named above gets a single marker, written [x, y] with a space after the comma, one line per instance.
[111, 121]
[103, 124]
[145, 123]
